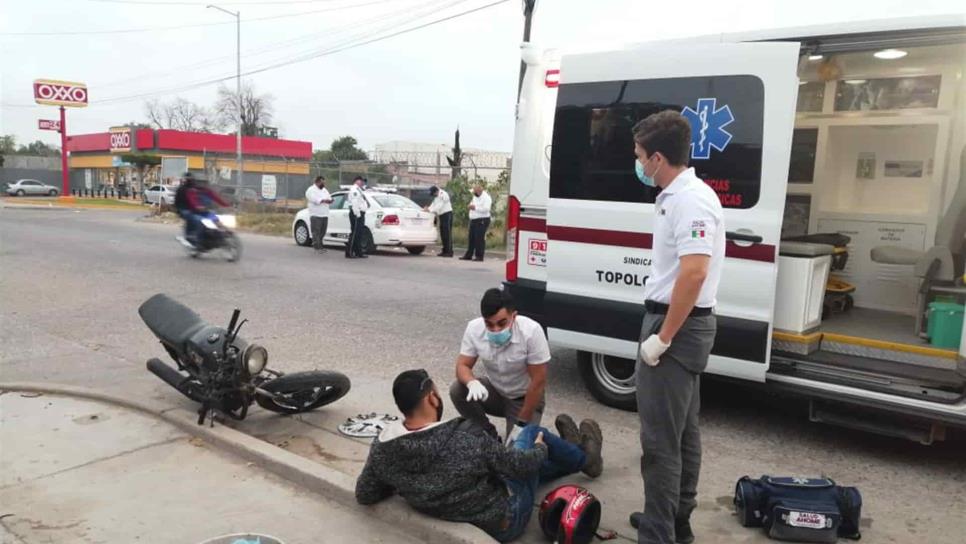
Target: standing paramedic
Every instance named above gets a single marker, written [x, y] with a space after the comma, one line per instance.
[678, 328]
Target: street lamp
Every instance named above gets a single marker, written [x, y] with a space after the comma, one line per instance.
[238, 134]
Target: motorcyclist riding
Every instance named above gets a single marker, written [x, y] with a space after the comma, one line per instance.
[197, 201]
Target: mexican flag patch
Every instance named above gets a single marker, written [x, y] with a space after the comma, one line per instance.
[697, 229]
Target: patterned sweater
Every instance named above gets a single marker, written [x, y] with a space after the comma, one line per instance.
[451, 470]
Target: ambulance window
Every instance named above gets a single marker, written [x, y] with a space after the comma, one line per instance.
[593, 147]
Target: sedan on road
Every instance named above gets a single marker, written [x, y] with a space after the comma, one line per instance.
[163, 192]
[24, 187]
[392, 221]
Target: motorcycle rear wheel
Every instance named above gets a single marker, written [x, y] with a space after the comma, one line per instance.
[303, 391]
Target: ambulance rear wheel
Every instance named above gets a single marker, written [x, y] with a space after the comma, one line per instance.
[610, 379]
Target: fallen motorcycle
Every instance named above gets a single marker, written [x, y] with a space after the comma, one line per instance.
[226, 374]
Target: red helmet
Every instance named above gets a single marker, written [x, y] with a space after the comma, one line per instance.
[570, 515]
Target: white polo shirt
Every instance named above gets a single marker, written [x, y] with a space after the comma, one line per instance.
[441, 204]
[506, 366]
[688, 220]
[357, 201]
[315, 196]
[482, 205]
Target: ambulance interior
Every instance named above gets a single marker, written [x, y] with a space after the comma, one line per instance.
[871, 280]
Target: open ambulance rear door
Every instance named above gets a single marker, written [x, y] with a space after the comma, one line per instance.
[740, 99]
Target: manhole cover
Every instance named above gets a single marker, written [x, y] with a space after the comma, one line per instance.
[366, 425]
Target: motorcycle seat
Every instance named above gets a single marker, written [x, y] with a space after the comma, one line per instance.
[172, 322]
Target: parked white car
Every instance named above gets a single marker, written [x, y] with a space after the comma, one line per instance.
[24, 187]
[392, 220]
[164, 192]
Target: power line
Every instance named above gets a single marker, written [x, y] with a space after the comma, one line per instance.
[274, 46]
[327, 52]
[229, 2]
[195, 25]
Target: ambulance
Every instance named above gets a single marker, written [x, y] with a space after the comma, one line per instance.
[838, 155]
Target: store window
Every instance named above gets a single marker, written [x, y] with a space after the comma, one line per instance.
[811, 96]
[888, 93]
[593, 148]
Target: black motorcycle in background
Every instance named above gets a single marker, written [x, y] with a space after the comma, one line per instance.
[224, 372]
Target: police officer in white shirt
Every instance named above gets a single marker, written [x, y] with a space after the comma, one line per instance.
[679, 325]
[358, 205]
[443, 209]
[319, 199]
[479, 223]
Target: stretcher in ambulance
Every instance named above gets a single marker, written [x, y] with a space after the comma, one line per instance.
[838, 155]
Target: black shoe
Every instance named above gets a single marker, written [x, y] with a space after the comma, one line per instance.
[444, 254]
[591, 441]
[347, 256]
[682, 528]
[466, 258]
[567, 429]
[478, 260]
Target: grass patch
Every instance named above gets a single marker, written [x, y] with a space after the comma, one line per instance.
[275, 224]
[495, 236]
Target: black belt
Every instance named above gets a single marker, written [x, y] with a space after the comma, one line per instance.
[660, 308]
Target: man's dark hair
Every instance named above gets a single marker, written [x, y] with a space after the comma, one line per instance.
[319, 178]
[409, 389]
[434, 190]
[494, 300]
[667, 133]
[357, 178]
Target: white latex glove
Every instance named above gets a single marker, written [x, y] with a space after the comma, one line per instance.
[514, 433]
[652, 349]
[478, 392]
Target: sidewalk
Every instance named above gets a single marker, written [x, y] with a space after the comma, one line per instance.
[73, 203]
[75, 470]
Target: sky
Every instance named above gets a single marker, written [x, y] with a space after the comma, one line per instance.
[418, 86]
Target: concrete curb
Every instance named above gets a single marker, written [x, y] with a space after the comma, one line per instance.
[298, 470]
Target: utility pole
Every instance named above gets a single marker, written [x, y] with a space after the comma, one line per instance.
[238, 95]
[528, 8]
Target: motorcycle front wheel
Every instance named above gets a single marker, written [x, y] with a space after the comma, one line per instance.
[303, 391]
[233, 248]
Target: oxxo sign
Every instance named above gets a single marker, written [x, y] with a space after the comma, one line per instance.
[120, 139]
[60, 93]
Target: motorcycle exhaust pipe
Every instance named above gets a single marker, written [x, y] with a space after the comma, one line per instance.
[173, 378]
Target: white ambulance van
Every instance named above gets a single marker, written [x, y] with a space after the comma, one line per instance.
[838, 155]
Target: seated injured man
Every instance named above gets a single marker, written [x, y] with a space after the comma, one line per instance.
[455, 470]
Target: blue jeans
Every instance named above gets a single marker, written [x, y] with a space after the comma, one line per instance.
[564, 458]
[192, 224]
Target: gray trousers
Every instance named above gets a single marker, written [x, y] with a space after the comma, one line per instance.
[319, 226]
[495, 405]
[668, 400]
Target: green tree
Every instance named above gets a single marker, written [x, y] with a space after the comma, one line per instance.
[8, 144]
[346, 149]
[323, 155]
[39, 148]
[456, 161]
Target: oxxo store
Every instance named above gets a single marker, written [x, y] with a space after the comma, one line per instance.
[273, 168]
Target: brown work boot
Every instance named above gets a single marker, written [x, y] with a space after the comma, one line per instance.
[591, 441]
[567, 429]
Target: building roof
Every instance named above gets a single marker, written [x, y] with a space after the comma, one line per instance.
[194, 142]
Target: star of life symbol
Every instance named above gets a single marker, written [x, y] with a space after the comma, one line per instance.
[707, 127]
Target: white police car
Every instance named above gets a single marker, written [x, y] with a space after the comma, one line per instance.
[392, 220]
